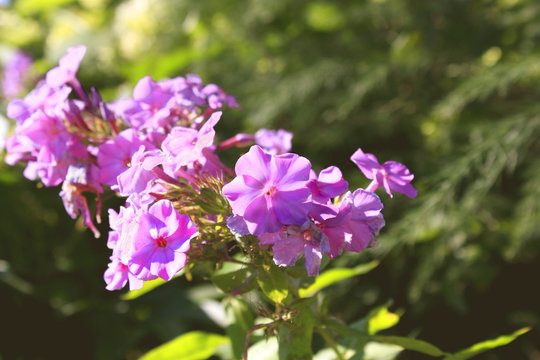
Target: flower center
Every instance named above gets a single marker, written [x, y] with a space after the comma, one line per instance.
[270, 191]
[161, 242]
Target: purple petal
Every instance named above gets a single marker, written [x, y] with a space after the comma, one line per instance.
[260, 219]
[291, 207]
[288, 250]
[255, 163]
[239, 194]
[366, 162]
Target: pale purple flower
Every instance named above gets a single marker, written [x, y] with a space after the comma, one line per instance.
[117, 275]
[355, 225]
[138, 177]
[269, 191]
[274, 142]
[294, 241]
[161, 242]
[42, 97]
[67, 67]
[328, 184]
[114, 156]
[185, 145]
[391, 175]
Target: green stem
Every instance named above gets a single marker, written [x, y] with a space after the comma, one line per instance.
[330, 341]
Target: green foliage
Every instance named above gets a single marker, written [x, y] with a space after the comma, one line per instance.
[331, 276]
[195, 345]
[486, 345]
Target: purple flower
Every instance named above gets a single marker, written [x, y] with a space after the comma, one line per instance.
[114, 156]
[294, 241]
[117, 275]
[185, 145]
[328, 184]
[67, 67]
[161, 242]
[357, 222]
[391, 175]
[269, 191]
[138, 176]
[274, 142]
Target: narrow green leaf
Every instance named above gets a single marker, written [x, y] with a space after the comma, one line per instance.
[332, 276]
[147, 287]
[273, 282]
[410, 344]
[486, 345]
[195, 345]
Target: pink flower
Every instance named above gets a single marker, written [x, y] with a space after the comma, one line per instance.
[269, 191]
[161, 242]
[391, 175]
[67, 67]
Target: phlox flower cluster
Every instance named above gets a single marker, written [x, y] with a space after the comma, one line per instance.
[159, 150]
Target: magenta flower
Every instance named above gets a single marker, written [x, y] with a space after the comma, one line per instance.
[161, 242]
[185, 145]
[114, 156]
[117, 275]
[67, 67]
[391, 175]
[294, 241]
[269, 191]
[138, 177]
[358, 221]
[328, 184]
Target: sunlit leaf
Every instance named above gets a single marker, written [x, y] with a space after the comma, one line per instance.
[486, 345]
[147, 287]
[273, 282]
[195, 345]
[332, 276]
[410, 344]
[381, 319]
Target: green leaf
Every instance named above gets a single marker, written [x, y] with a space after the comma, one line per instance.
[332, 276]
[381, 319]
[273, 282]
[147, 287]
[410, 344]
[486, 345]
[233, 277]
[195, 345]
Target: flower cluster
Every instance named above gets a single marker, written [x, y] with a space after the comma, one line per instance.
[159, 150]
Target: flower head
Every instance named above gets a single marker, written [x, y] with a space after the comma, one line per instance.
[269, 191]
[391, 175]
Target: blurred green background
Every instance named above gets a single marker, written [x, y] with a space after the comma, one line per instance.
[451, 88]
